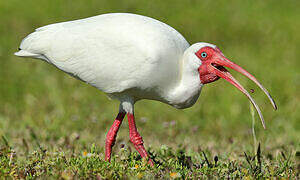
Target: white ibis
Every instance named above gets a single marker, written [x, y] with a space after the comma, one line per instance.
[132, 57]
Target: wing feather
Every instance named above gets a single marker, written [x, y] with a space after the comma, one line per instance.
[112, 52]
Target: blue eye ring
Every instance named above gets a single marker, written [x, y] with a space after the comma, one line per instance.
[203, 54]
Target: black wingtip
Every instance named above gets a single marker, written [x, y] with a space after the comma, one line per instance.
[19, 49]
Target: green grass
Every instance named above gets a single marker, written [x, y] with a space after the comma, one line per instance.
[54, 126]
[169, 163]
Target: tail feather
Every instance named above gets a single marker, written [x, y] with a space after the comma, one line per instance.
[35, 43]
[24, 53]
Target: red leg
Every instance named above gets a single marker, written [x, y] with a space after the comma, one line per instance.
[136, 138]
[112, 134]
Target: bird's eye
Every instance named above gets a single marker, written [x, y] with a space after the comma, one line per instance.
[203, 54]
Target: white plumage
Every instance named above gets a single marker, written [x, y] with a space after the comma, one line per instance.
[129, 57]
[132, 57]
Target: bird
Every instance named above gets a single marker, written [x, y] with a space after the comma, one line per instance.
[131, 57]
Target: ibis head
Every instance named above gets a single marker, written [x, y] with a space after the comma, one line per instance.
[212, 68]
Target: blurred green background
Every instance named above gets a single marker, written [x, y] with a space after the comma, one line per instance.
[261, 36]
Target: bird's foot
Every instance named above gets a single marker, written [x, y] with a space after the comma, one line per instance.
[111, 135]
[150, 162]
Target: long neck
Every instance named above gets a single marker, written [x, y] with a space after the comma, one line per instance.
[187, 91]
